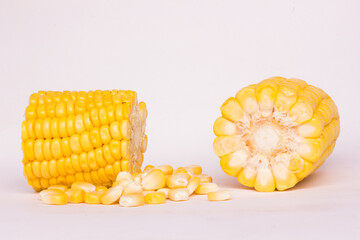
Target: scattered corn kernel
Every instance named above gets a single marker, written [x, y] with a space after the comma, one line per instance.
[132, 188]
[87, 187]
[167, 169]
[204, 178]
[112, 195]
[205, 188]
[221, 195]
[54, 197]
[193, 184]
[123, 182]
[165, 191]
[148, 167]
[180, 170]
[75, 196]
[195, 169]
[60, 187]
[134, 200]
[153, 179]
[93, 197]
[179, 180]
[101, 188]
[179, 194]
[48, 191]
[155, 198]
[123, 175]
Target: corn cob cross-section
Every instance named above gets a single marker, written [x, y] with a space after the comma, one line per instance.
[82, 136]
[274, 134]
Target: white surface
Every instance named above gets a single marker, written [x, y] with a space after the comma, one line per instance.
[184, 58]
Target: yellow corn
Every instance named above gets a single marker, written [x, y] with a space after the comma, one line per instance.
[194, 169]
[193, 184]
[205, 188]
[179, 180]
[54, 197]
[179, 194]
[86, 187]
[204, 178]
[93, 197]
[82, 136]
[275, 133]
[111, 195]
[75, 196]
[165, 191]
[155, 198]
[221, 195]
[101, 188]
[134, 200]
[153, 179]
[167, 169]
[60, 187]
[132, 188]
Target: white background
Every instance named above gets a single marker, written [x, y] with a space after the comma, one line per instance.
[184, 58]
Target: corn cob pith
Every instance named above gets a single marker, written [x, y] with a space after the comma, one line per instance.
[82, 136]
[275, 133]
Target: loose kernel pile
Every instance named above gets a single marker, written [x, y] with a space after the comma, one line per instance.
[152, 186]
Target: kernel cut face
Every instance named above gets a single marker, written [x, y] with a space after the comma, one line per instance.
[82, 136]
[275, 133]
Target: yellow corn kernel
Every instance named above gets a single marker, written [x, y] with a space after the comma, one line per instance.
[48, 191]
[148, 167]
[220, 195]
[132, 188]
[165, 191]
[75, 196]
[60, 187]
[179, 180]
[205, 188]
[101, 188]
[194, 169]
[123, 175]
[54, 197]
[179, 194]
[93, 197]
[134, 200]
[111, 195]
[153, 179]
[167, 169]
[180, 170]
[155, 198]
[193, 184]
[87, 187]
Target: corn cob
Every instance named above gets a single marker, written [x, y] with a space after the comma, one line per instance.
[275, 133]
[82, 136]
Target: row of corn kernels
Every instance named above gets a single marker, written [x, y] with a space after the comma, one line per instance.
[152, 186]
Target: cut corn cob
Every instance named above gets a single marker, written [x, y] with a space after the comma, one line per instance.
[275, 133]
[82, 136]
